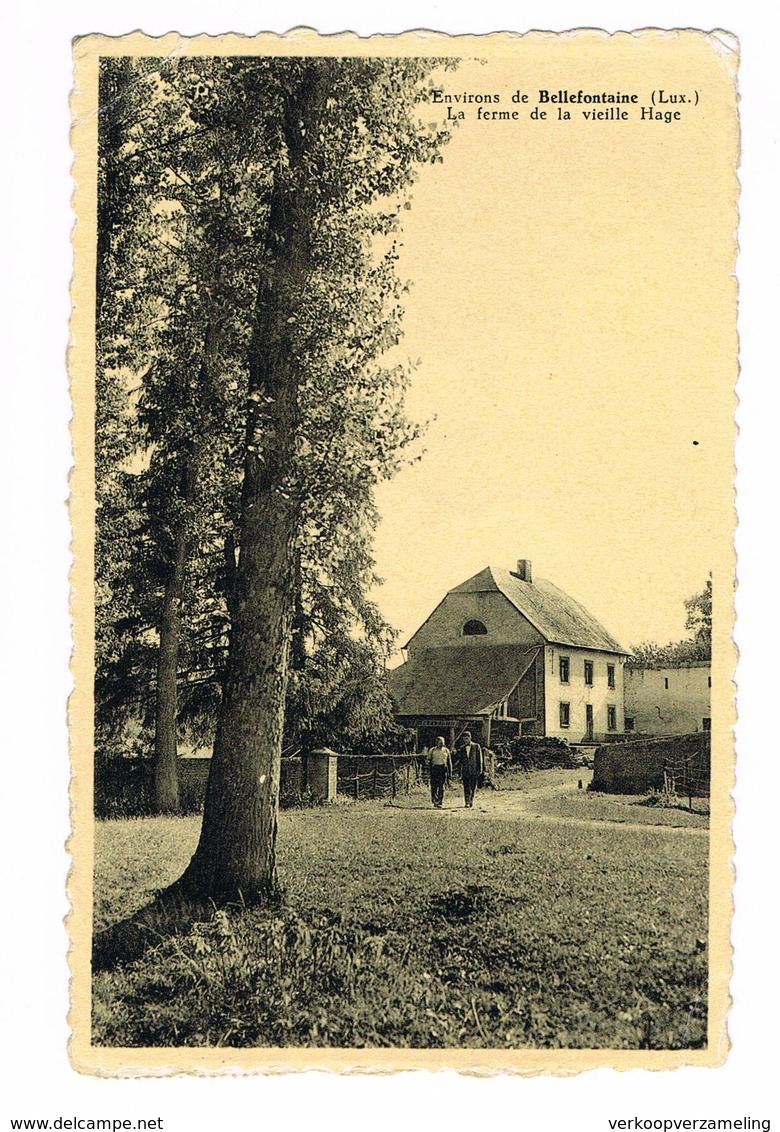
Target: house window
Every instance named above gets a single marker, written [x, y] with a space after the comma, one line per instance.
[629, 723]
[611, 717]
[564, 711]
[588, 671]
[610, 676]
[474, 629]
[563, 667]
[705, 724]
[709, 681]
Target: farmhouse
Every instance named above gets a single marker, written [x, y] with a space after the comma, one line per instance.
[668, 701]
[504, 655]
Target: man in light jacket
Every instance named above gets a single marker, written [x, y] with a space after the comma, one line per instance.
[441, 770]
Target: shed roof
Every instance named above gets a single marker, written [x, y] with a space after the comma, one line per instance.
[559, 618]
[458, 680]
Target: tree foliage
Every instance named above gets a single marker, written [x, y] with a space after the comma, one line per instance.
[248, 295]
[169, 332]
[676, 654]
[699, 615]
[324, 420]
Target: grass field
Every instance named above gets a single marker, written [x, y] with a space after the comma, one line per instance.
[409, 927]
[620, 808]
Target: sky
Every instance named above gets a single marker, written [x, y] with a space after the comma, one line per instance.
[573, 315]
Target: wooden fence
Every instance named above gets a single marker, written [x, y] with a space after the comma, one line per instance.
[378, 776]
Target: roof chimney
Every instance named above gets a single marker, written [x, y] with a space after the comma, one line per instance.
[523, 571]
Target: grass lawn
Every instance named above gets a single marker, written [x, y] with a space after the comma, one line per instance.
[406, 927]
[526, 781]
[620, 808]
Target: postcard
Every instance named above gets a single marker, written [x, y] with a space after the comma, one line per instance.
[403, 389]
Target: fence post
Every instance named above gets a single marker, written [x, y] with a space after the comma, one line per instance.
[373, 783]
[689, 776]
[392, 779]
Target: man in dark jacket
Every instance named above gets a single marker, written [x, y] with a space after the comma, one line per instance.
[472, 767]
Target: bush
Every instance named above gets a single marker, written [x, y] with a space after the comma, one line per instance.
[528, 752]
[245, 980]
[123, 787]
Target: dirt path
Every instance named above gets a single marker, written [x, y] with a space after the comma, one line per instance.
[516, 805]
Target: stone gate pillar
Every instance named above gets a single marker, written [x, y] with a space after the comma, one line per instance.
[321, 767]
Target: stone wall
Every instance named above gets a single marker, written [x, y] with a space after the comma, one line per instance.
[669, 701]
[125, 787]
[638, 767]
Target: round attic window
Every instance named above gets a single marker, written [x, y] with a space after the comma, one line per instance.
[474, 629]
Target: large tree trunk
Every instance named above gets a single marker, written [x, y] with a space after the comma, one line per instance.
[236, 854]
[166, 754]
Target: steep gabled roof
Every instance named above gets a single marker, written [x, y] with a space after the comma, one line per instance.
[559, 618]
[458, 681]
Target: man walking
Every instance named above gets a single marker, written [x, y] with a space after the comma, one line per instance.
[441, 770]
[472, 767]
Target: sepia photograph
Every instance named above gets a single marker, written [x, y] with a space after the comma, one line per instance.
[403, 413]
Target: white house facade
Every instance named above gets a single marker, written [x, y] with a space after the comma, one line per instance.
[584, 693]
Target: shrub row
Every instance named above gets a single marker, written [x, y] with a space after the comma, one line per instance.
[530, 753]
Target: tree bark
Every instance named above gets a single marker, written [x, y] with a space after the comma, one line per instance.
[236, 854]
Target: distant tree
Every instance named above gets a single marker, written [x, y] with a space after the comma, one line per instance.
[340, 700]
[699, 614]
[167, 322]
[115, 427]
[676, 654]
